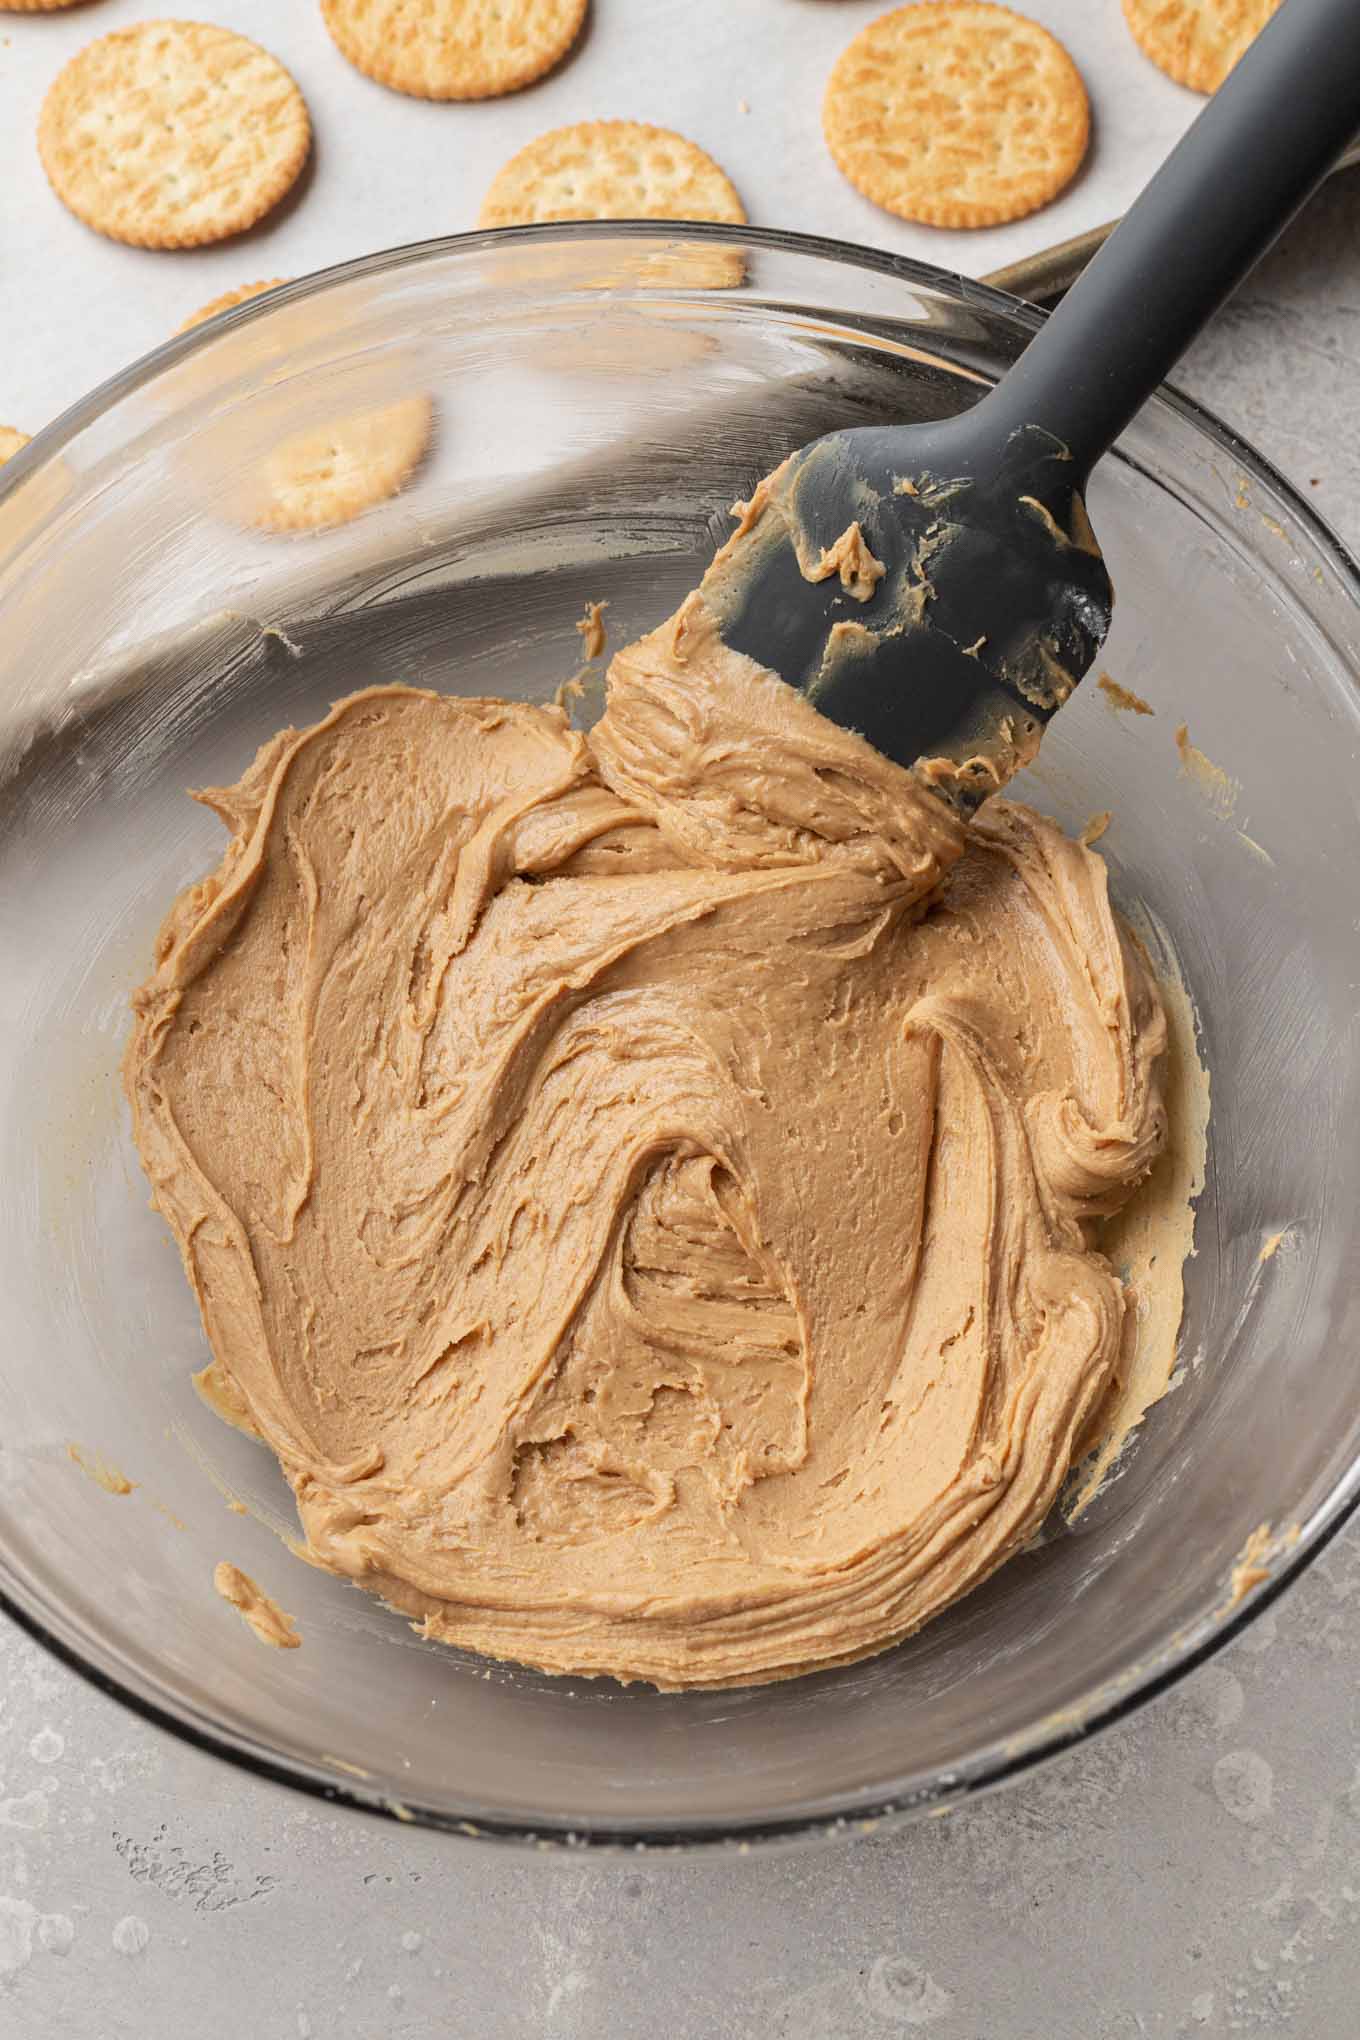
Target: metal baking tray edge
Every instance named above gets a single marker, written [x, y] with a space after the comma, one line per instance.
[1043, 277]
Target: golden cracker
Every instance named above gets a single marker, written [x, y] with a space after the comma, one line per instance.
[328, 474]
[454, 49]
[610, 170]
[1196, 42]
[956, 113]
[30, 504]
[34, 6]
[226, 301]
[624, 169]
[172, 133]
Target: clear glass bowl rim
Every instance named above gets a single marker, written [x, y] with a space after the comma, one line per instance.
[1094, 1711]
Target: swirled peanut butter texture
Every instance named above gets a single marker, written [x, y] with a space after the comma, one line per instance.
[644, 1184]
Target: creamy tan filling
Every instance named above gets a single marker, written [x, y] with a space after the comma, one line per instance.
[642, 1185]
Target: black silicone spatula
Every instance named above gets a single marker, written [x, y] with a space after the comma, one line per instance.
[994, 598]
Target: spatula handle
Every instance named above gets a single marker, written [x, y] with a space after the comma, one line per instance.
[1264, 141]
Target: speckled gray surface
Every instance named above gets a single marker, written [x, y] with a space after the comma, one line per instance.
[1195, 1871]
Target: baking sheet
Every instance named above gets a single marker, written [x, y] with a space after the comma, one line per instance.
[388, 169]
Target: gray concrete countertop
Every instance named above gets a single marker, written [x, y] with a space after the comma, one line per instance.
[1193, 1872]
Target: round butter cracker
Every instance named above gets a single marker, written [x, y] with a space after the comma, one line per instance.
[610, 170]
[328, 474]
[454, 49]
[625, 170]
[11, 439]
[170, 134]
[956, 113]
[226, 302]
[1196, 42]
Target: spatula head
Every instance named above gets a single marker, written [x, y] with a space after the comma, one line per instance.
[943, 608]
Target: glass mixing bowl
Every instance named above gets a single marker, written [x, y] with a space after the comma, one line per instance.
[601, 396]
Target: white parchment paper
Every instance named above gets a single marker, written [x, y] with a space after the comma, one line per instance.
[388, 169]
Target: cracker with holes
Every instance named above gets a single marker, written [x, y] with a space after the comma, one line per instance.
[171, 134]
[228, 300]
[956, 113]
[454, 49]
[1196, 42]
[328, 474]
[610, 170]
[625, 170]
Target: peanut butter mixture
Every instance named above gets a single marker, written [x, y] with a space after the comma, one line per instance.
[643, 1184]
